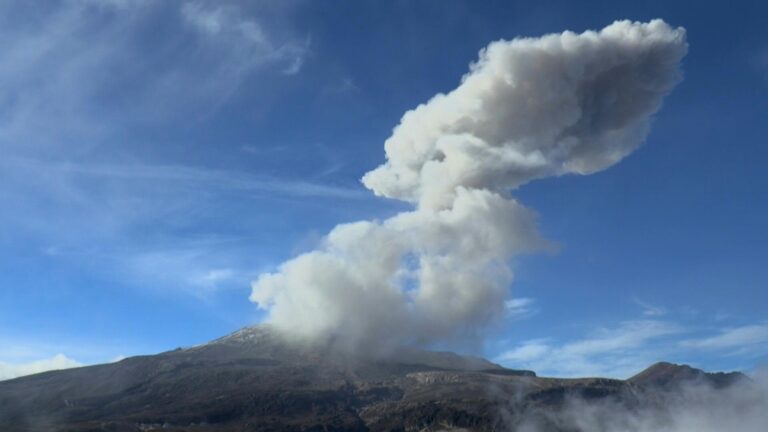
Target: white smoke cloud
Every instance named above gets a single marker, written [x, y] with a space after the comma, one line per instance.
[533, 108]
[529, 108]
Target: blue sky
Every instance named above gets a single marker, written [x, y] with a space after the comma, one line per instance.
[158, 156]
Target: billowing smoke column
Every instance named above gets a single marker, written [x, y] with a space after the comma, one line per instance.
[528, 108]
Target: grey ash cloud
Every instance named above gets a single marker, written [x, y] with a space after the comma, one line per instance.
[527, 109]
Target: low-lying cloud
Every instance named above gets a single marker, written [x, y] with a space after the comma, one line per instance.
[691, 407]
[529, 108]
[15, 370]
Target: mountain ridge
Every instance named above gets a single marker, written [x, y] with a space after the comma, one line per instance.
[253, 380]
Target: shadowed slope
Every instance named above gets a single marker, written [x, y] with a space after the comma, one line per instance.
[253, 380]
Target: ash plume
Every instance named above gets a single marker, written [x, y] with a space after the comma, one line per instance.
[528, 108]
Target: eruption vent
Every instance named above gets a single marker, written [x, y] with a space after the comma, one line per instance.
[528, 108]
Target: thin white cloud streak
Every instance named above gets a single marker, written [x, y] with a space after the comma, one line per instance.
[113, 200]
[520, 307]
[741, 339]
[192, 177]
[344, 86]
[227, 27]
[57, 362]
[650, 310]
[618, 352]
[528, 109]
[194, 271]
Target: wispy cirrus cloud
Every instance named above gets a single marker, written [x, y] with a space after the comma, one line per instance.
[84, 83]
[739, 340]
[649, 309]
[612, 352]
[145, 223]
[199, 270]
[228, 29]
[79, 71]
[189, 176]
[520, 307]
[81, 80]
[630, 346]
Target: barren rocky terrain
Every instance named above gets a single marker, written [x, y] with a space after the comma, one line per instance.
[251, 380]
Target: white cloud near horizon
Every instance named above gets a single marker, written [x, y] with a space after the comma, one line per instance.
[26, 350]
[609, 352]
[630, 346]
[10, 369]
[57, 362]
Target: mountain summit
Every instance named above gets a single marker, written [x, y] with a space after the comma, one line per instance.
[253, 380]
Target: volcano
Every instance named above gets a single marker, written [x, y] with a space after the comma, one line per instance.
[252, 380]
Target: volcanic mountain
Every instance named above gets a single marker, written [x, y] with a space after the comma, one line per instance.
[253, 380]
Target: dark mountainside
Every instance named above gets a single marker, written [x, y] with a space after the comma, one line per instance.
[251, 380]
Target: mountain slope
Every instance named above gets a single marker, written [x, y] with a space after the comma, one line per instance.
[252, 380]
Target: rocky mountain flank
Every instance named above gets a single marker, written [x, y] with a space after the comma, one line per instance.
[252, 380]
